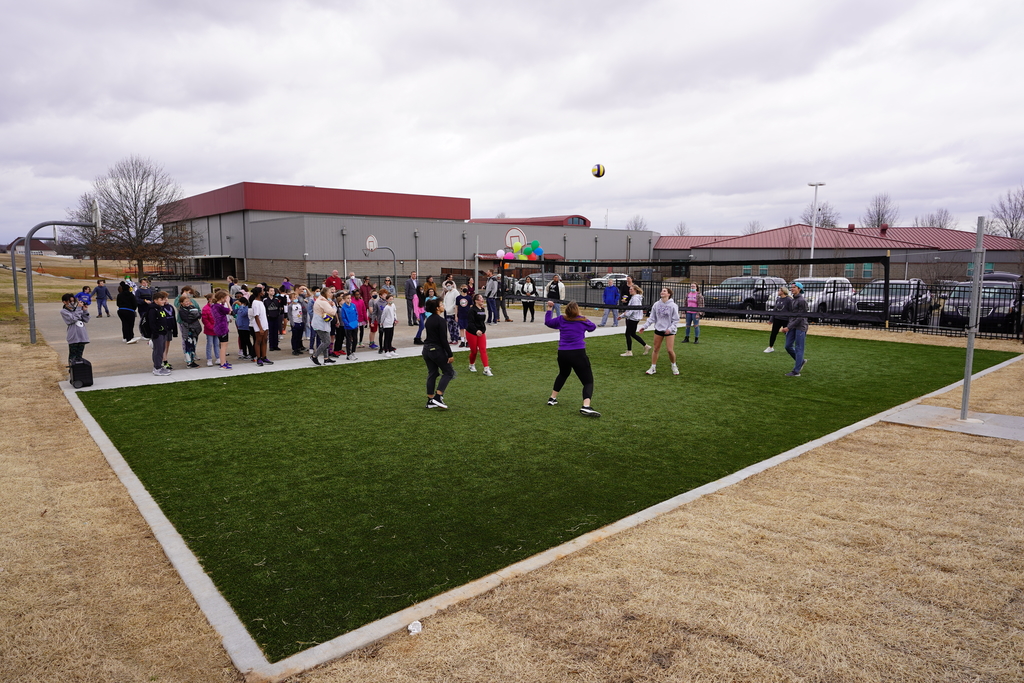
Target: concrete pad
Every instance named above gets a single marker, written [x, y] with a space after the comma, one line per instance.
[979, 424]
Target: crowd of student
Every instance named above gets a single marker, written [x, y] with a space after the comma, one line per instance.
[340, 317]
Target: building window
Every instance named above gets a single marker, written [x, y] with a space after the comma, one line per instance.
[866, 271]
[747, 270]
[989, 268]
[762, 270]
[851, 270]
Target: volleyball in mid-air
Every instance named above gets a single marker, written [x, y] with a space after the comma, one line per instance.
[598, 170]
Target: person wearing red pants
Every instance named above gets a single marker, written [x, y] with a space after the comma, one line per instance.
[476, 333]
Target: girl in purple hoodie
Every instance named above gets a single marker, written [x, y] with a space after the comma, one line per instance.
[572, 352]
[221, 311]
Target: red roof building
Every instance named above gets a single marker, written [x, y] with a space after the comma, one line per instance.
[573, 219]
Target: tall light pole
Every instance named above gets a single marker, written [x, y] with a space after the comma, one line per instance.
[814, 221]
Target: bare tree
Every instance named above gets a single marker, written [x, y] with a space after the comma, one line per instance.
[129, 195]
[81, 241]
[787, 221]
[501, 214]
[940, 218]
[828, 217]
[637, 222]
[881, 209]
[751, 227]
[1008, 214]
[681, 229]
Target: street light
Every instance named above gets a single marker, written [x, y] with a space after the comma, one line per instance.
[814, 221]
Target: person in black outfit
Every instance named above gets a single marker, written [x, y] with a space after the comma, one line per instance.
[275, 310]
[782, 304]
[126, 305]
[437, 354]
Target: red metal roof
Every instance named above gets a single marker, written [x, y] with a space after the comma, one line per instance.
[306, 199]
[799, 237]
[944, 238]
[681, 242]
[537, 220]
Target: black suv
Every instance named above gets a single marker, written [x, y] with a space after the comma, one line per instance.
[909, 300]
[752, 293]
[1000, 306]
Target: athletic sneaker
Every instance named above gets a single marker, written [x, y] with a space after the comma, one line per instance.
[472, 368]
[226, 366]
[438, 402]
[316, 361]
[651, 370]
[259, 363]
[133, 340]
[769, 350]
[647, 349]
[352, 356]
[552, 401]
[627, 354]
[802, 365]
[431, 404]
[159, 372]
[675, 369]
[792, 373]
[372, 345]
[267, 362]
[209, 363]
[193, 364]
[329, 360]
[587, 410]
[168, 365]
[487, 372]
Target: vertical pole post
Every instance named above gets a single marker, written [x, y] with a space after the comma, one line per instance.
[972, 324]
[14, 272]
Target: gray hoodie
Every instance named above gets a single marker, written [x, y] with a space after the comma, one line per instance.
[76, 319]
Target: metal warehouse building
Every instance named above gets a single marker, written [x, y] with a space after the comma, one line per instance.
[260, 231]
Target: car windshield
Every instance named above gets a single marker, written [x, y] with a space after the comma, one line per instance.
[988, 291]
[878, 289]
[814, 287]
[738, 281]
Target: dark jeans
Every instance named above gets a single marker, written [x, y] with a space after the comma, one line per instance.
[492, 311]
[245, 343]
[297, 332]
[795, 346]
[437, 366]
[410, 312]
[127, 323]
[275, 331]
[75, 351]
[101, 307]
[777, 324]
[575, 360]
[350, 340]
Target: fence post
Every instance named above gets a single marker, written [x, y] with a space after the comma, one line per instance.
[972, 323]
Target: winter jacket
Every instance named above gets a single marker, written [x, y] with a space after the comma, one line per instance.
[191, 319]
[162, 321]
[664, 317]
[76, 320]
[208, 321]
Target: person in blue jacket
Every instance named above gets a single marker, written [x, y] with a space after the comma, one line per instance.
[611, 298]
[350, 323]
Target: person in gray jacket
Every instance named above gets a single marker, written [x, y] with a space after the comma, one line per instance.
[796, 329]
[491, 294]
[75, 315]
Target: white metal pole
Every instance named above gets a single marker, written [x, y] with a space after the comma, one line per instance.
[972, 319]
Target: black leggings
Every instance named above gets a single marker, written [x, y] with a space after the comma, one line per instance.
[527, 306]
[631, 334]
[437, 366]
[387, 337]
[777, 324]
[575, 360]
[127, 323]
[245, 343]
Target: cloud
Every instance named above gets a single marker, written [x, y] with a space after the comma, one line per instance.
[716, 114]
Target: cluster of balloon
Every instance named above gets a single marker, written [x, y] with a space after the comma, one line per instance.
[530, 251]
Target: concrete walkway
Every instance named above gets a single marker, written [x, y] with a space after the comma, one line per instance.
[948, 419]
[111, 357]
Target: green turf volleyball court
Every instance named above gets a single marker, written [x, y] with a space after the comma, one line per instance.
[321, 499]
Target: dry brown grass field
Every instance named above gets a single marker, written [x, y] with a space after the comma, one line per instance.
[893, 554]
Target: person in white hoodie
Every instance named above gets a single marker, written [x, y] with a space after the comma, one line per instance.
[388, 319]
[451, 293]
[664, 318]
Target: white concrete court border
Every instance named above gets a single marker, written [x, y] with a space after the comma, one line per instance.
[243, 650]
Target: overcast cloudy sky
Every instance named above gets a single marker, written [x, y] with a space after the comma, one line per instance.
[710, 113]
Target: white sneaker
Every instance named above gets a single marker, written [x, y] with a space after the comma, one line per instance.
[769, 350]
[647, 349]
[651, 370]
[133, 340]
[487, 372]
[158, 372]
[472, 368]
[675, 369]
[209, 363]
[627, 354]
